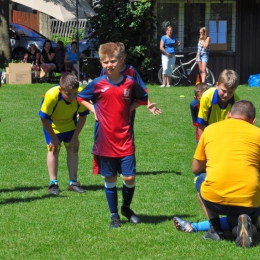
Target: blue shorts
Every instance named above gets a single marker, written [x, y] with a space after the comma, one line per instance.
[63, 137]
[203, 58]
[199, 181]
[109, 166]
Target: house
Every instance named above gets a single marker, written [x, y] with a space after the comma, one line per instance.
[234, 26]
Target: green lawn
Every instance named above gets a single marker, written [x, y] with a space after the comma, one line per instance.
[76, 226]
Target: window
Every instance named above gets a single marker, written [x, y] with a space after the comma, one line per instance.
[167, 14]
[188, 16]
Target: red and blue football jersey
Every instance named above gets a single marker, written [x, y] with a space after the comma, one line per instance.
[113, 132]
[129, 70]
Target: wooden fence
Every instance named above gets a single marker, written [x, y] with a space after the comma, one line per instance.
[28, 19]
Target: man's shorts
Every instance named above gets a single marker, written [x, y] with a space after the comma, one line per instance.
[199, 181]
[109, 167]
[203, 58]
[63, 137]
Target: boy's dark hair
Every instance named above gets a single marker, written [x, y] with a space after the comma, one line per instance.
[61, 43]
[69, 81]
[244, 108]
[200, 88]
[229, 78]
[109, 48]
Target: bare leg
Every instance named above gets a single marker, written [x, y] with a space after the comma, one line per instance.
[203, 71]
[164, 78]
[52, 164]
[72, 163]
[202, 206]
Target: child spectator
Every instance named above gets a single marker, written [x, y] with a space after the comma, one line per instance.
[58, 114]
[195, 105]
[112, 98]
[33, 56]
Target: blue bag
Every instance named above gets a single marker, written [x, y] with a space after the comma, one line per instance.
[254, 80]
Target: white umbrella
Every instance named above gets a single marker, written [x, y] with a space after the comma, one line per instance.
[63, 10]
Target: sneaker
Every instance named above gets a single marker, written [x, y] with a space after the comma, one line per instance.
[54, 189]
[75, 186]
[214, 235]
[130, 215]
[168, 86]
[115, 222]
[162, 86]
[183, 225]
[244, 231]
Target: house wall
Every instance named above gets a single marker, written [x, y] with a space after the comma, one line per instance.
[248, 38]
[242, 53]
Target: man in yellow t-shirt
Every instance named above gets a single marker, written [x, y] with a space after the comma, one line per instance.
[230, 152]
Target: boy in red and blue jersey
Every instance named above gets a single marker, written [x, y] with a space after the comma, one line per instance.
[112, 98]
[129, 70]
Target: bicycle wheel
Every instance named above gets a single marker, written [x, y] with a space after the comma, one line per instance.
[176, 77]
[160, 76]
[210, 80]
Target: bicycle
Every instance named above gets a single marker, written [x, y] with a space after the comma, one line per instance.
[180, 72]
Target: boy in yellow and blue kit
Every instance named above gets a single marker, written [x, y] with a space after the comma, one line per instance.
[216, 102]
[58, 114]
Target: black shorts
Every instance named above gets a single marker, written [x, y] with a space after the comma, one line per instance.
[232, 212]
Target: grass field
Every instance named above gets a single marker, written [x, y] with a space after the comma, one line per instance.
[76, 226]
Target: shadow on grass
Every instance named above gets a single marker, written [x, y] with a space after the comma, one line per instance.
[158, 172]
[92, 187]
[158, 219]
[31, 188]
[18, 200]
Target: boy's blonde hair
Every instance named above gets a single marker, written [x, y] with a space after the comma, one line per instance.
[108, 49]
[200, 88]
[121, 47]
[229, 78]
[69, 81]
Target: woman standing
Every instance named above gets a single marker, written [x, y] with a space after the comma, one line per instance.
[202, 57]
[167, 46]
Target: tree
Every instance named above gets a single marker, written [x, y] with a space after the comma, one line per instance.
[5, 48]
[132, 23]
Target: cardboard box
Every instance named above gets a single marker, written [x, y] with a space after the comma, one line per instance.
[18, 73]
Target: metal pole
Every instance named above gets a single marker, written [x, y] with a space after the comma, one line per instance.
[77, 35]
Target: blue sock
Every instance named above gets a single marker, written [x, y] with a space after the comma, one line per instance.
[128, 193]
[72, 181]
[111, 194]
[224, 223]
[53, 182]
[205, 225]
[201, 226]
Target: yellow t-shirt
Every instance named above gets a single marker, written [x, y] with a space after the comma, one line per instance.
[232, 151]
[62, 113]
[210, 111]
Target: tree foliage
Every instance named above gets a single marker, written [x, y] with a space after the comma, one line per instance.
[130, 23]
[5, 48]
